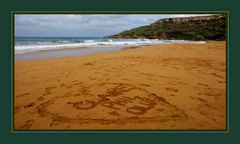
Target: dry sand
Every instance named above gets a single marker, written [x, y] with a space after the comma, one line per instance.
[172, 86]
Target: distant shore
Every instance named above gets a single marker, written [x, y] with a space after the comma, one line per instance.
[166, 86]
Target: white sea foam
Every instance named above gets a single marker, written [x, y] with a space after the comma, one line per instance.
[23, 47]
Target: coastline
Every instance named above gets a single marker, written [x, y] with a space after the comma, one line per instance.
[166, 86]
[66, 52]
[43, 48]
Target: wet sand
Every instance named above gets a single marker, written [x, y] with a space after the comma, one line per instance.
[65, 52]
[171, 86]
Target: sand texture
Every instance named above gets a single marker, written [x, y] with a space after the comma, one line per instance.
[171, 86]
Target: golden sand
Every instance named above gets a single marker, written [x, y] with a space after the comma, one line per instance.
[172, 86]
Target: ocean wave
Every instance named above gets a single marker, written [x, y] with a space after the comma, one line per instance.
[64, 44]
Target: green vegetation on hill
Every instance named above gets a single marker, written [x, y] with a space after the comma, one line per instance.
[189, 28]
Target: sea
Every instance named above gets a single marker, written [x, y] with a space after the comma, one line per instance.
[26, 47]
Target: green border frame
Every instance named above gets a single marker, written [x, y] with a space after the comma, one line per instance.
[8, 6]
[122, 130]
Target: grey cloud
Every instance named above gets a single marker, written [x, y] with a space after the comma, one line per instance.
[37, 25]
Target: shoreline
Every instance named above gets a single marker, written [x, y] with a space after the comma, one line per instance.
[78, 51]
[166, 86]
[66, 52]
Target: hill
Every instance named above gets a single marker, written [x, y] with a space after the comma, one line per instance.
[211, 27]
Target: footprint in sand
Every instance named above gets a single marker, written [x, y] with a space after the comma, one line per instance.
[211, 92]
[28, 124]
[200, 99]
[17, 109]
[25, 94]
[172, 89]
[62, 85]
[89, 64]
[30, 105]
[69, 86]
[78, 83]
[126, 79]
[203, 84]
[146, 85]
[93, 78]
[48, 90]
[40, 98]
[216, 75]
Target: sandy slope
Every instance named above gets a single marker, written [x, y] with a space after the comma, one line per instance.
[155, 87]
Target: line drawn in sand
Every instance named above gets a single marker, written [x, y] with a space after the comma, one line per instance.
[108, 103]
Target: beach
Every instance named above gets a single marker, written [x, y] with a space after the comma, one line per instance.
[161, 87]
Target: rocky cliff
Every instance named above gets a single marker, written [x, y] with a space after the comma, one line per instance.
[188, 28]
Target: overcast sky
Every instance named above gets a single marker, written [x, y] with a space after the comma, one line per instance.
[56, 25]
